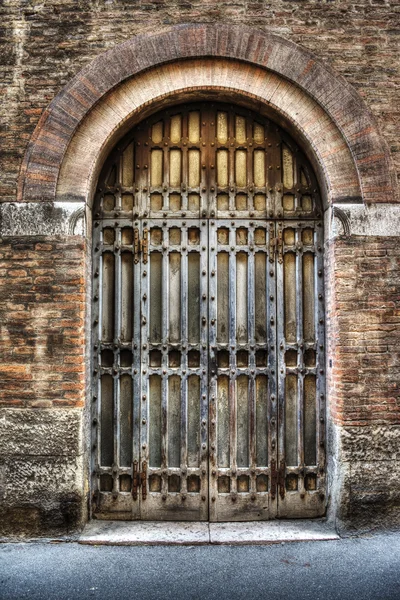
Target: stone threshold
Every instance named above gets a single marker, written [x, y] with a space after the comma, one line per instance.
[136, 533]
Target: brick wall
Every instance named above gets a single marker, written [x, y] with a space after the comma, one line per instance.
[43, 45]
[42, 305]
[364, 330]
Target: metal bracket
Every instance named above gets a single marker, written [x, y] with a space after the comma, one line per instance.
[272, 243]
[274, 479]
[279, 244]
[143, 479]
[136, 480]
[281, 479]
[144, 246]
[136, 245]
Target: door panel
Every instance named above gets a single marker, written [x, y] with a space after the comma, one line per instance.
[116, 362]
[242, 371]
[174, 408]
[301, 375]
[208, 323]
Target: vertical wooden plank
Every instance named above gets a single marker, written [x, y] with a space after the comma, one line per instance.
[194, 421]
[174, 421]
[174, 298]
[223, 298]
[261, 393]
[107, 421]
[242, 421]
[223, 420]
[193, 296]
[107, 297]
[310, 425]
[241, 298]
[125, 418]
[299, 340]
[155, 299]
[127, 296]
[155, 421]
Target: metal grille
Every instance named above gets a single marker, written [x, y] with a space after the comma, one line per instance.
[208, 336]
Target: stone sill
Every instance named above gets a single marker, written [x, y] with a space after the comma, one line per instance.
[135, 533]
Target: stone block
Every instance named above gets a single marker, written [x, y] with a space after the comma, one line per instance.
[40, 432]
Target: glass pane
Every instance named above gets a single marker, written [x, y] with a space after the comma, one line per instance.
[127, 166]
[222, 127]
[241, 168]
[222, 167]
[157, 132]
[240, 129]
[259, 168]
[176, 129]
[156, 168]
[175, 168]
[194, 168]
[287, 160]
[194, 127]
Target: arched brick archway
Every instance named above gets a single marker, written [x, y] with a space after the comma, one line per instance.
[281, 80]
[325, 99]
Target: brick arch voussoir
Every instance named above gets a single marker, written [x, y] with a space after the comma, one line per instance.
[55, 130]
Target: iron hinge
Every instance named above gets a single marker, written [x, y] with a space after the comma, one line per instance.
[274, 479]
[281, 479]
[278, 479]
[136, 245]
[140, 246]
[276, 245]
[139, 480]
[144, 245]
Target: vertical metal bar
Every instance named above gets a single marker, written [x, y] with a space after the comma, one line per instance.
[184, 353]
[96, 320]
[142, 318]
[300, 350]
[138, 308]
[281, 376]
[232, 358]
[274, 332]
[320, 352]
[251, 350]
[116, 373]
[212, 343]
[166, 344]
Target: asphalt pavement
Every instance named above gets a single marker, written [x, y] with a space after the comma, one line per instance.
[365, 568]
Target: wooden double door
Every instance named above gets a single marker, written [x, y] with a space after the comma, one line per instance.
[208, 336]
